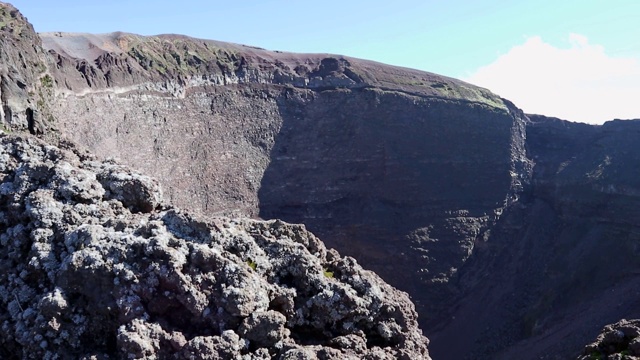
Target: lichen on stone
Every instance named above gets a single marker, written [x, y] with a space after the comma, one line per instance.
[95, 264]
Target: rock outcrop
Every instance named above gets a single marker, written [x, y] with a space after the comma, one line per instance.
[26, 87]
[386, 164]
[616, 341]
[94, 264]
[564, 261]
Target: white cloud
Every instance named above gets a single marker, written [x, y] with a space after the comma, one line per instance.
[581, 83]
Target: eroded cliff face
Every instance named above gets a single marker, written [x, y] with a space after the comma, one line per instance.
[564, 261]
[26, 88]
[515, 235]
[389, 165]
[209, 148]
[385, 177]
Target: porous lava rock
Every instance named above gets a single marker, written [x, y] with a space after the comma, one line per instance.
[94, 265]
[616, 341]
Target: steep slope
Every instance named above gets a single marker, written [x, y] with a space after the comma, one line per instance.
[564, 262]
[25, 85]
[388, 165]
[192, 97]
[94, 264]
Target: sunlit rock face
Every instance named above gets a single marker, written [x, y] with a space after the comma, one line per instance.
[26, 86]
[388, 165]
[504, 228]
[94, 264]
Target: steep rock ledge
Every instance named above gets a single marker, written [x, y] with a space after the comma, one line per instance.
[564, 261]
[616, 341]
[173, 65]
[93, 264]
[396, 179]
[387, 164]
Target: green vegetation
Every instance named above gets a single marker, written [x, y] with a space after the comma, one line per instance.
[46, 81]
[328, 273]
[179, 56]
[8, 20]
[444, 88]
[252, 264]
[595, 356]
[3, 16]
[6, 129]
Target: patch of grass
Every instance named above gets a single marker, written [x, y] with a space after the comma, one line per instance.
[46, 81]
[177, 56]
[3, 17]
[596, 356]
[252, 264]
[328, 273]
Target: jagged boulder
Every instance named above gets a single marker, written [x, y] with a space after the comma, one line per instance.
[616, 341]
[94, 264]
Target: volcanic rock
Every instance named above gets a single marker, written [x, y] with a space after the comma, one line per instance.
[94, 264]
[562, 262]
[616, 341]
[388, 165]
[516, 235]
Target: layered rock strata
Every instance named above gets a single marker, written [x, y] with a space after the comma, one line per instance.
[389, 165]
[565, 260]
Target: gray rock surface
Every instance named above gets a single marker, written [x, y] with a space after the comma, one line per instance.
[94, 264]
[26, 87]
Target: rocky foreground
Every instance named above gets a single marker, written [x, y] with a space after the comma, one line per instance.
[616, 341]
[94, 264]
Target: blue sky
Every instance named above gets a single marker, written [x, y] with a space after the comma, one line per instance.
[462, 39]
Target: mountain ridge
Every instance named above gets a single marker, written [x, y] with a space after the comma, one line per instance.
[193, 52]
[448, 198]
